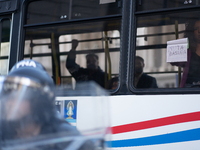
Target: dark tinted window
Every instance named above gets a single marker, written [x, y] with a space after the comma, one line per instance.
[143, 5]
[58, 10]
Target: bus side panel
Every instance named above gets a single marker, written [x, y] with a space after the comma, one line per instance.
[155, 122]
[92, 114]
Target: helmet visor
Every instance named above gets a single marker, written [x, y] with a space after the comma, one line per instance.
[27, 122]
[19, 97]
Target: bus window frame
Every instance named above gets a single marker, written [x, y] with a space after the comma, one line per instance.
[63, 22]
[132, 53]
[127, 48]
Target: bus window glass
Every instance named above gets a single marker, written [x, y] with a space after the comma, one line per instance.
[59, 10]
[37, 46]
[151, 67]
[46, 62]
[3, 66]
[5, 46]
[90, 42]
[101, 38]
[40, 50]
[143, 5]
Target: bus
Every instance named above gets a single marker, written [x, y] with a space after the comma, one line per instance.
[164, 116]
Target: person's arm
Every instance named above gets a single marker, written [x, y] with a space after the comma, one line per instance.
[71, 59]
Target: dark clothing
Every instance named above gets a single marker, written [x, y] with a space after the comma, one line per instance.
[59, 131]
[194, 71]
[62, 127]
[83, 74]
[57, 125]
[191, 72]
[146, 81]
[185, 66]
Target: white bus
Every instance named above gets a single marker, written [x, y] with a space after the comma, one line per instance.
[163, 113]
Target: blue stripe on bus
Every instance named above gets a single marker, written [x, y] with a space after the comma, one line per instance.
[183, 136]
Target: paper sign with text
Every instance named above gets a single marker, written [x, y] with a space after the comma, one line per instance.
[177, 50]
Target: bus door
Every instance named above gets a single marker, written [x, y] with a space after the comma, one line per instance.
[51, 26]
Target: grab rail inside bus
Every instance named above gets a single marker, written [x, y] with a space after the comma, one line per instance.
[55, 59]
[179, 68]
[107, 58]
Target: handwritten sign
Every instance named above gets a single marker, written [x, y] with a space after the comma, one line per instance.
[177, 50]
[106, 1]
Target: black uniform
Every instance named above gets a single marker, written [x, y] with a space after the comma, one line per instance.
[83, 74]
[147, 81]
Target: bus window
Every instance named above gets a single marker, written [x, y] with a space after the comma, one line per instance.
[54, 10]
[41, 51]
[90, 43]
[153, 32]
[5, 45]
[51, 46]
[143, 5]
[95, 25]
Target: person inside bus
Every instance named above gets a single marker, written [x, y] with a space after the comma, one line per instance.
[191, 71]
[143, 80]
[28, 108]
[92, 73]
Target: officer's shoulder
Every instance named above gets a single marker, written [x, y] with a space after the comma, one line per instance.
[66, 127]
[148, 76]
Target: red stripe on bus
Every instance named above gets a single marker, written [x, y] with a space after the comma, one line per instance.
[195, 116]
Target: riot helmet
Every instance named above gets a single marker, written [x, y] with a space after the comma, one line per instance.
[27, 100]
[28, 118]
[33, 70]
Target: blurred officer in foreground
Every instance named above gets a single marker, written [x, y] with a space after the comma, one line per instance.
[28, 111]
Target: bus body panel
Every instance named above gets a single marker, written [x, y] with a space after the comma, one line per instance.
[144, 122]
[156, 122]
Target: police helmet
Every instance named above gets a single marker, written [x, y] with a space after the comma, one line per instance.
[33, 70]
[28, 82]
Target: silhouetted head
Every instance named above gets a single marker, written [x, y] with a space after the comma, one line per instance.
[139, 65]
[92, 61]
